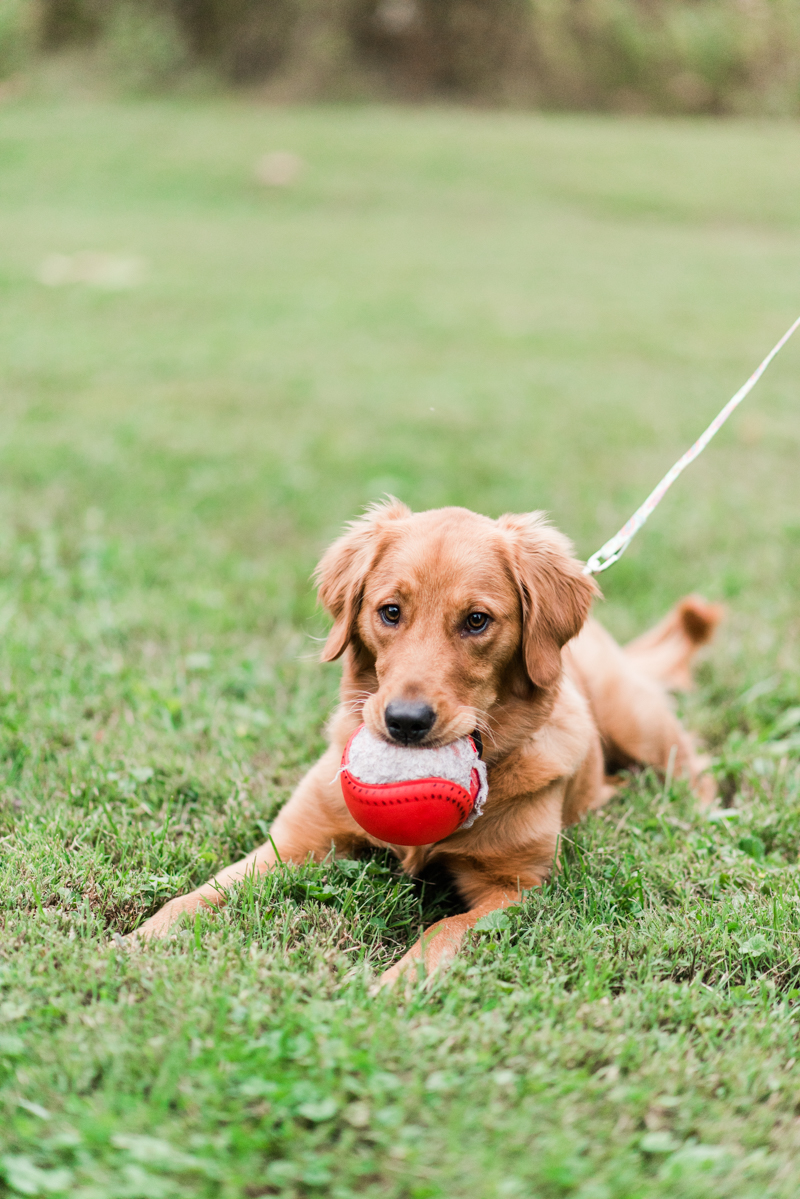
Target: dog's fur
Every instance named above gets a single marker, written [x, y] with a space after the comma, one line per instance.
[558, 703]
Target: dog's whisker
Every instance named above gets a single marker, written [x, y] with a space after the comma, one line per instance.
[483, 723]
[358, 698]
[356, 703]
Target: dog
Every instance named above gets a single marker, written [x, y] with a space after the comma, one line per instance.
[448, 624]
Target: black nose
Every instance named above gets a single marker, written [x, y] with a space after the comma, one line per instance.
[408, 721]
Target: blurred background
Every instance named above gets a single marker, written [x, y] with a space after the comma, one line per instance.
[668, 56]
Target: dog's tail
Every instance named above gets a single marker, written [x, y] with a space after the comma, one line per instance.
[665, 652]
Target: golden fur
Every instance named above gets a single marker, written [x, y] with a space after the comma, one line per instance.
[557, 701]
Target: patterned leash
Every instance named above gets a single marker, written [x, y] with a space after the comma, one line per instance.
[613, 550]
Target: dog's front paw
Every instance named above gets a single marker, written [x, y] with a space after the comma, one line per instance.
[163, 921]
[406, 970]
[153, 929]
[439, 951]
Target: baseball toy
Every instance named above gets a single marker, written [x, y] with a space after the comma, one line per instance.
[408, 796]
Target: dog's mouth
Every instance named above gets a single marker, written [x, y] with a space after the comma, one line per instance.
[434, 742]
[418, 724]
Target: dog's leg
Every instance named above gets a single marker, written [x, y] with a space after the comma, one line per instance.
[311, 823]
[586, 790]
[631, 706]
[440, 943]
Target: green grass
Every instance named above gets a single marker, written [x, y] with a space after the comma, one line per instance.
[502, 311]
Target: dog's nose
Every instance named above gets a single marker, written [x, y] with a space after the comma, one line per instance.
[407, 721]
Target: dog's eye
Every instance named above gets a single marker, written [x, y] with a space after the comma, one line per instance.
[477, 621]
[390, 613]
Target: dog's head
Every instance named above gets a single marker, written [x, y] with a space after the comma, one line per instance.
[451, 612]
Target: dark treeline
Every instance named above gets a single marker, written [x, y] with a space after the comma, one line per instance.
[711, 56]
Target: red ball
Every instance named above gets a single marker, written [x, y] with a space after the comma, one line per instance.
[411, 812]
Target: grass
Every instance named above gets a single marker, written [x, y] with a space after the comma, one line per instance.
[502, 311]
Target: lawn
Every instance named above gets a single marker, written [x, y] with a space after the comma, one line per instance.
[502, 311]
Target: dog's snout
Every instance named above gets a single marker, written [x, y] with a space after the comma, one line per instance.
[408, 721]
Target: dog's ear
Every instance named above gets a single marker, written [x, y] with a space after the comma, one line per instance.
[555, 594]
[344, 567]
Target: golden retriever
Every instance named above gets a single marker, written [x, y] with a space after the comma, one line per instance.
[449, 622]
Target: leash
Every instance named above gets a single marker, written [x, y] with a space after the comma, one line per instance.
[613, 550]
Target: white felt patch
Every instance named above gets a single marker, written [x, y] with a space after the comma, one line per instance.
[373, 760]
